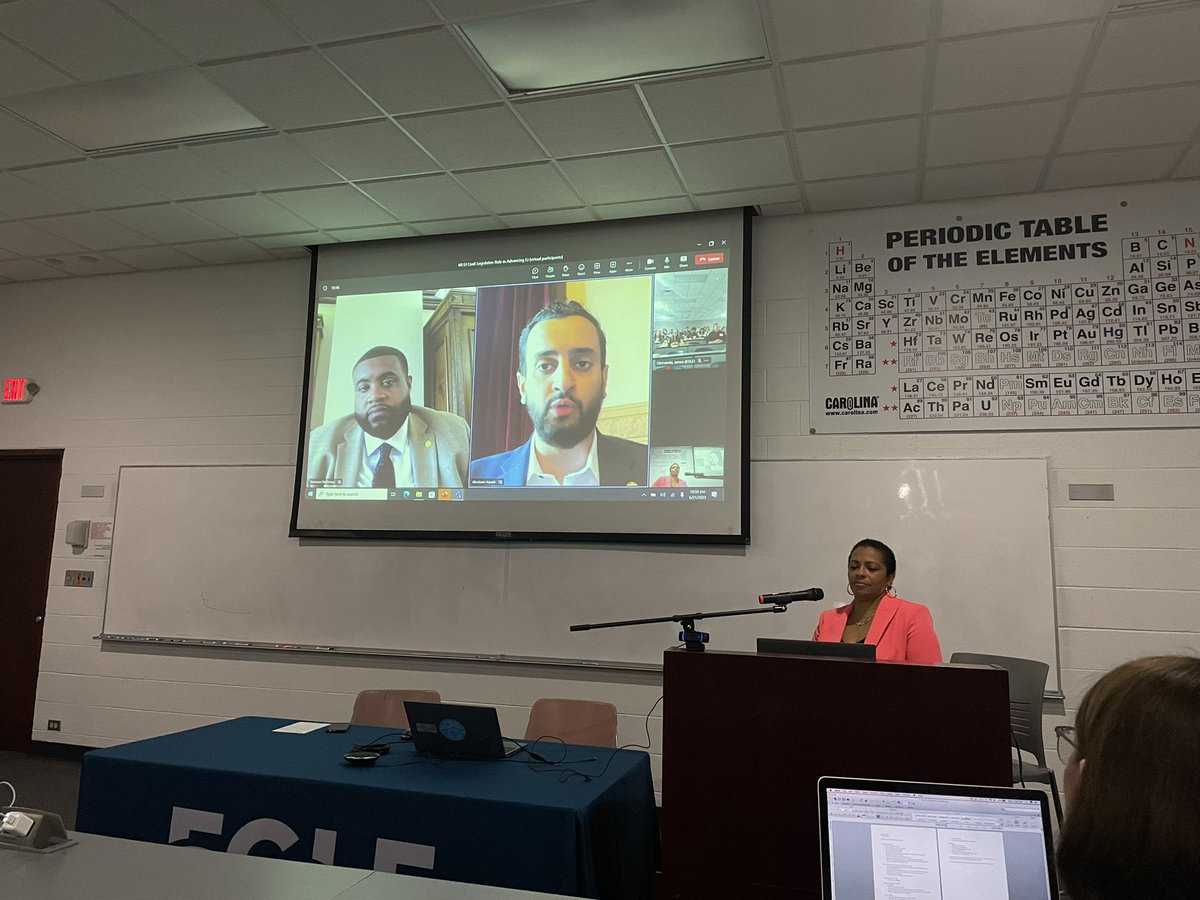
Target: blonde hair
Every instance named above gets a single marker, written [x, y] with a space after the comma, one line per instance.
[1132, 826]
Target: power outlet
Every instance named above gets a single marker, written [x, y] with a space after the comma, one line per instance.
[79, 578]
[54, 725]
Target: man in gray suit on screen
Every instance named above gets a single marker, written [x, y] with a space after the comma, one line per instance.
[388, 442]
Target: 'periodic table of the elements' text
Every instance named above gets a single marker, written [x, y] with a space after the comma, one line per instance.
[1125, 345]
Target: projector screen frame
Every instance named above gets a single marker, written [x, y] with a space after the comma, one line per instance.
[739, 317]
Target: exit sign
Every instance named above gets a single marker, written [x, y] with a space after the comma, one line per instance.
[16, 391]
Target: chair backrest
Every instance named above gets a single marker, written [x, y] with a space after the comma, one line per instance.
[386, 708]
[1026, 687]
[589, 722]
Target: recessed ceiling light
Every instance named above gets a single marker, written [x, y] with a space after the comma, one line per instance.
[615, 40]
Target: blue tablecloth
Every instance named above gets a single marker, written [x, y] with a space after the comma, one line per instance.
[514, 823]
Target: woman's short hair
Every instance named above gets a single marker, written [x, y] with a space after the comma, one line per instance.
[1133, 825]
[889, 558]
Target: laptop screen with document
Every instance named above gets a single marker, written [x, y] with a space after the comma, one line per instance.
[895, 839]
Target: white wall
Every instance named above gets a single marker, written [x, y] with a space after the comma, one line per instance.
[205, 366]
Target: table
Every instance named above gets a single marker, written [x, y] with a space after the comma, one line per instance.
[104, 868]
[241, 787]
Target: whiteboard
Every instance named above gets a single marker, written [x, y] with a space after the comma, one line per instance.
[202, 554]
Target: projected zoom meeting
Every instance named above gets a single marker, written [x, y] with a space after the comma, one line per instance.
[487, 392]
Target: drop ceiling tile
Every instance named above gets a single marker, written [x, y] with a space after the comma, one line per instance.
[423, 197]
[25, 240]
[224, 252]
[288, 252]
[986, 135]
[267, 163]
[972, 16]
[93, 265]
[1009, 67]
[323, 21]
[471, 9]
[860, 193]
[93, 230]
[825, 29]
[549, 217]
[374, 233]
[90, 184]
[474, 138]
[459, 226]
[248, 215]
[984, 180]
[28, 270]
[1130, 119]
[589, 123]
[370, 150]
[275, 242]
[1152, 47]
[151, 258]
[715, 106]
[1189, 166]
[858, 149]
[396, 72]
[168, 223]
[342, 206]
[22, 145]
[855, 88]
[71, 41]
[21, 72]
[729, 165]
[1111, 167]
[19, 199]
[667, 206]
[226, 28]
[753, 197]
[640, 175]
[520, 188]
[292, 90]
[177, 174]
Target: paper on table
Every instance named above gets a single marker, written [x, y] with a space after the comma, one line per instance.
[301, 727]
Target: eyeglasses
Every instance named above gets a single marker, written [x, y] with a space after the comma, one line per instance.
[1067, 744]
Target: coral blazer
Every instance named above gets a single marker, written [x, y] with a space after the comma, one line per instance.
[901, 631]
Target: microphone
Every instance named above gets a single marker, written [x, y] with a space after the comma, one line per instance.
[785, 597]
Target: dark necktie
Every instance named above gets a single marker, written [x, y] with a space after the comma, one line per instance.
[385, 475]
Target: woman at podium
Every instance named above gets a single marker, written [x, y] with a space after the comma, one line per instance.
[901, 631]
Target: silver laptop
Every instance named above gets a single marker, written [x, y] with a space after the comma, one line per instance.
[887, 840]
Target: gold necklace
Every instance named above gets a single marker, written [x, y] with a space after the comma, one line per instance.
[867, 619]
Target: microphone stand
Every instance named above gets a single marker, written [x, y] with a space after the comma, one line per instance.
[692, 639]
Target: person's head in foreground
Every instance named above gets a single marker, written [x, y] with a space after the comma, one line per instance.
[1132, 781]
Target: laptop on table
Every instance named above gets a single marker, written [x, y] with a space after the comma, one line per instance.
[887, 840]
[454, 731]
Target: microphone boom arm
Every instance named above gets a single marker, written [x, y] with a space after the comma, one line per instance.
[692, 639]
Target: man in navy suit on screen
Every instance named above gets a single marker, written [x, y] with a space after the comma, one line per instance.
[562, 378]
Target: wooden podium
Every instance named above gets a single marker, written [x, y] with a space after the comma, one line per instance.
[746, 736]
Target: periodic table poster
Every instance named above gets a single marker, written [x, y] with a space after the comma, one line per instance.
[1078, 309]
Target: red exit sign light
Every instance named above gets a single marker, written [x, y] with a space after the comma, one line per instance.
[15, 392]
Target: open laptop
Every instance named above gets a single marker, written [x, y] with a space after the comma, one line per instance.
[890, 839]
[816, 648]
[457, 732]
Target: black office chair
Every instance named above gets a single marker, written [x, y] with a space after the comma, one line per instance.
[1026, 687]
